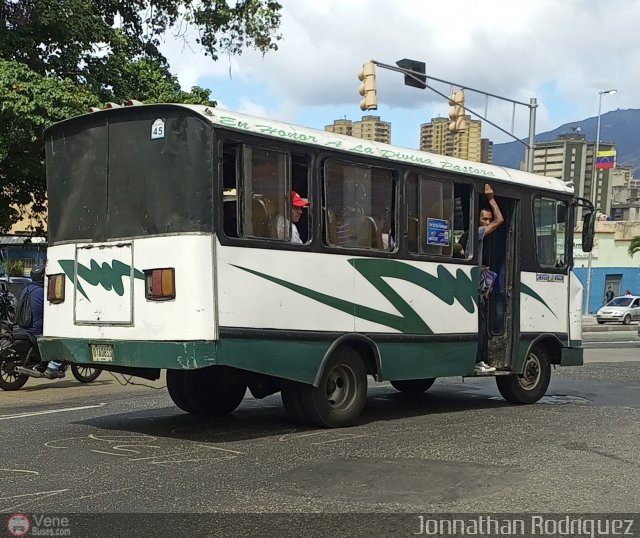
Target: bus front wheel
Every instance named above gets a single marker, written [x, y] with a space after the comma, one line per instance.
[413, 387]
[340, 397]
[532, 385]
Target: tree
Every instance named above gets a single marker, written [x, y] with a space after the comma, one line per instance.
[634, 246]
[57, 57]
[29, 103]
[79, 39]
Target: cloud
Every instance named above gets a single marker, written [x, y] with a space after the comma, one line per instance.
[560, 51]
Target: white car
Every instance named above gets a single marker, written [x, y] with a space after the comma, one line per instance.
[623, 309]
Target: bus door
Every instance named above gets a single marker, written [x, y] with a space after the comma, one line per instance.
[500, 308]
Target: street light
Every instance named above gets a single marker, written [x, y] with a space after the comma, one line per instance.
[594, 186]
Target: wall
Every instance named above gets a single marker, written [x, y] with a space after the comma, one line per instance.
[609, 257]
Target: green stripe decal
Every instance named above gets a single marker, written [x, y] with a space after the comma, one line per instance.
[445, 286]
[108, 276]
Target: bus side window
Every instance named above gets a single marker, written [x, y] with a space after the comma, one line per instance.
[550, 218]
[266, 192]
[438, 215]
[359, 206]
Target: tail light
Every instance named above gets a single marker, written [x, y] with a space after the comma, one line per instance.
[55, 288]
[160, 284]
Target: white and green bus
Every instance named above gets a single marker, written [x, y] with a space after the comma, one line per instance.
[170, 233]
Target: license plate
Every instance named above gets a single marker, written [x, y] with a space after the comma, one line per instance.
[101, 352]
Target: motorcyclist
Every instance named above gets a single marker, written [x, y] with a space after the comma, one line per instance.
[36, 290]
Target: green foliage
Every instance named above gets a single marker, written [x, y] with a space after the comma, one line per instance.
[57, 57]
[29, 102]
[634, 245]
[14, 268]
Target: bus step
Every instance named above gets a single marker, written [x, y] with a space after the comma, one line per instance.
[489, 374]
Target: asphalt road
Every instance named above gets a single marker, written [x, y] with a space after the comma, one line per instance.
[72, 448]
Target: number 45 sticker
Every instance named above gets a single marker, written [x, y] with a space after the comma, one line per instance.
[157, 129]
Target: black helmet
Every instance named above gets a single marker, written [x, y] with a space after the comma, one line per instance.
[37, 273]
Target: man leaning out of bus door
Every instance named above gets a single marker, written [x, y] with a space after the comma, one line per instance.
[298, 203]
[490, 220]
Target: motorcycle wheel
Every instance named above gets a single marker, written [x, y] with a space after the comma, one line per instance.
[85, 374]
[9, 380]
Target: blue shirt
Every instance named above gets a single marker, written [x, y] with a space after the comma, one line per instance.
[37, 307]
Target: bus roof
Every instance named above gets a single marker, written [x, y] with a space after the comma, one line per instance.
[282, 131]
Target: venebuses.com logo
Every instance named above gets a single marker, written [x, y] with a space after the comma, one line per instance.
[18, 525]
[38, 525]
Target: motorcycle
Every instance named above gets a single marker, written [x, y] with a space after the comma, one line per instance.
[20, 359]
[7, 305]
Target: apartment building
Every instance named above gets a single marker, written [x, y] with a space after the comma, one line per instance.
[571, 158]
[369, 128]
[435, 137]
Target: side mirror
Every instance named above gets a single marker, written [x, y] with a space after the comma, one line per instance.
[588, 231]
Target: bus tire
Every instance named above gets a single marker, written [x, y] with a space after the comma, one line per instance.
[290, 394]
[532, 385]
[339, 398]
[175, 386]
[413, 387]
[216, 390]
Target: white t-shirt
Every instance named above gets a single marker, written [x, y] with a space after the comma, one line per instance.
[281, 229]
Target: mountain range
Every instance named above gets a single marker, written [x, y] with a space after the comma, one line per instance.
[619, 127]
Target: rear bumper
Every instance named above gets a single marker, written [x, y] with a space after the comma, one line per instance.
[135, 354]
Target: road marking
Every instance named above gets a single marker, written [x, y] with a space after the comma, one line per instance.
[18, 471]
[50, 411]
[28, 498]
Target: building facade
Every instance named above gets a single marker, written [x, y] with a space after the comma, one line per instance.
[25, 245]
[571, 158]
[369, 128]
[435, 137]
[344, 127]
[611, 264]
[486, 151]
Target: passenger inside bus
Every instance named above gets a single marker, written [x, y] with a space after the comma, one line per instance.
[298, 204]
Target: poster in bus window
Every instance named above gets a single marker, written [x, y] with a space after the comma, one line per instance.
[438, 232]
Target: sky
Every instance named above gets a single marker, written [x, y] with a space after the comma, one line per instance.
[560, 52]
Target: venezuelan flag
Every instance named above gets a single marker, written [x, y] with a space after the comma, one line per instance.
[606, 159]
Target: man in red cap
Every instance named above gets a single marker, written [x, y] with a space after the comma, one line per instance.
[298, 203]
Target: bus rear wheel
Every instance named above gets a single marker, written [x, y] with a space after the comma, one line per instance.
[413, 387]
[216, 390]
[177, 391]
[532, 385]
[290, 394]
[341, 394]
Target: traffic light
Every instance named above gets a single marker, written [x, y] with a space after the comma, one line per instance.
[417, 81]
[368, 87]
[456, 112]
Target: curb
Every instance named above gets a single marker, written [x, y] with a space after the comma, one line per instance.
[609, 328]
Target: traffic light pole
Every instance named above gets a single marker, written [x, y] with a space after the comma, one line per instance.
[422, 81]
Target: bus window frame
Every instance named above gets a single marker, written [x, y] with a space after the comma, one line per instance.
[242, 194]
[474, 190]
[568, 255]
[395, 176]
[222, 138]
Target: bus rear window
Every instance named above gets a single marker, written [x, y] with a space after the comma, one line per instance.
[110, 178]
